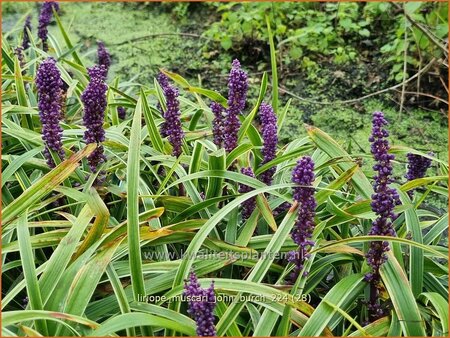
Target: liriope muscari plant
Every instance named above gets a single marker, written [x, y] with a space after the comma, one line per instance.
[204, 236]
[249, 205]
[103, 57]
[94, 102]
[226, 121]
[19, 53]
[237, 96]
[121, 112]
[201, 304]
[45, 16]
[417, 168]
[218, 127]
[383, 202]
[303, 176]
[269, 133]
[171, 127]
[48, 84]
[26, 29]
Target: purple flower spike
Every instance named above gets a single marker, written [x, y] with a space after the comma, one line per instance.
[172, 124]
[249, 205]
[270, 137]
[45, 17]
[19, 53]
[121, 112]
[48, 83]
[201, 305]
[26, 28]
[104, 59]
[417, 168]
[237, 95]
[383, 202]
[303, 175]
[163, 81]
[218, 123]
[94, 101]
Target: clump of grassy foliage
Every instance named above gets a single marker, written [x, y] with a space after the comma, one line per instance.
[80, 259]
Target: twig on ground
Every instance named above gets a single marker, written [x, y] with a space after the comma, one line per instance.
[159, 35]
[425, 94]
[444, 84]
[423, 70]
[405, 54]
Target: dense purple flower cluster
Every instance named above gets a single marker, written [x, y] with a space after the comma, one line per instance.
[270, 137]
[172, 124]
[19, 53]
[26, 37]
[218, 123]
[163, 81]
[94, 101]
[45, 17]
[201, 305]
[281, 208]
[121, 112]
[303, 175]
[383, 202]
[48, 84]
[104, 59]
[249, 205]
[237, 96]
[417, 168]
[385, 198]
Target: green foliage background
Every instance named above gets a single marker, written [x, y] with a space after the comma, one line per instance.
[327, 52]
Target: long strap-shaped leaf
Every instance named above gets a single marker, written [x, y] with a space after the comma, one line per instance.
[128, 320]
[441, 306]
[27, 258]
[260, 268]
[402, 298]
[63, 253]
[44, 186]
[333, 149]
[137, 279]
[201, 235]
[416, 254]
[347, 289]
[84, 283]
[13, 317]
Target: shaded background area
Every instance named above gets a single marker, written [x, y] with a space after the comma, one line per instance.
[327, 53]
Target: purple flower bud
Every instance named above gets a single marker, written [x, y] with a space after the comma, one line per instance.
[19, 53]
[417, 168]
[270, 137]
[281, 208]
[237, 95]
[94, 101]
[48, 84]
[201, 305]
[121, 112]
[303, 175]
[218, 123]
[104, 59]
[249, 205]
[383, 202]
[45, 17]
[172, 124]
[26, 28]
